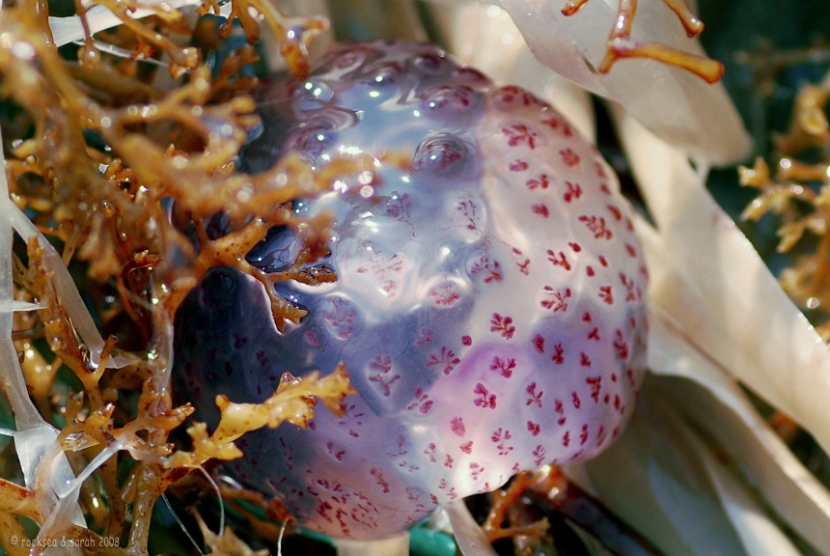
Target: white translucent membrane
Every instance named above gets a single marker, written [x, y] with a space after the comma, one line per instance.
[720, 316]
[664, 478]
[469, 536]
[45, 468]
[680, 107]
[707, 278]
[712, 402]
[665, 482]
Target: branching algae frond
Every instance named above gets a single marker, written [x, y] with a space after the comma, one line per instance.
[98, 155]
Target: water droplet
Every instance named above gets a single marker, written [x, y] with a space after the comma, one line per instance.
[313, 94]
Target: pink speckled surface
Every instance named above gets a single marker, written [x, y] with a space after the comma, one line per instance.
[489, 308]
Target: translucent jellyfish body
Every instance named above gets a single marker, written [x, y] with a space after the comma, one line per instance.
[489, 302]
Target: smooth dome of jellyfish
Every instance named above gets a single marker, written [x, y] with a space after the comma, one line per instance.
[489, 305]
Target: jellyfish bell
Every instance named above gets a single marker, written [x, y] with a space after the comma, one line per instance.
[489, 302]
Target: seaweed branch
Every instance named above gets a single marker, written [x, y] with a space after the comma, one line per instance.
[798, 194]
[100, 152]
[293, 402]
[621, 45]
